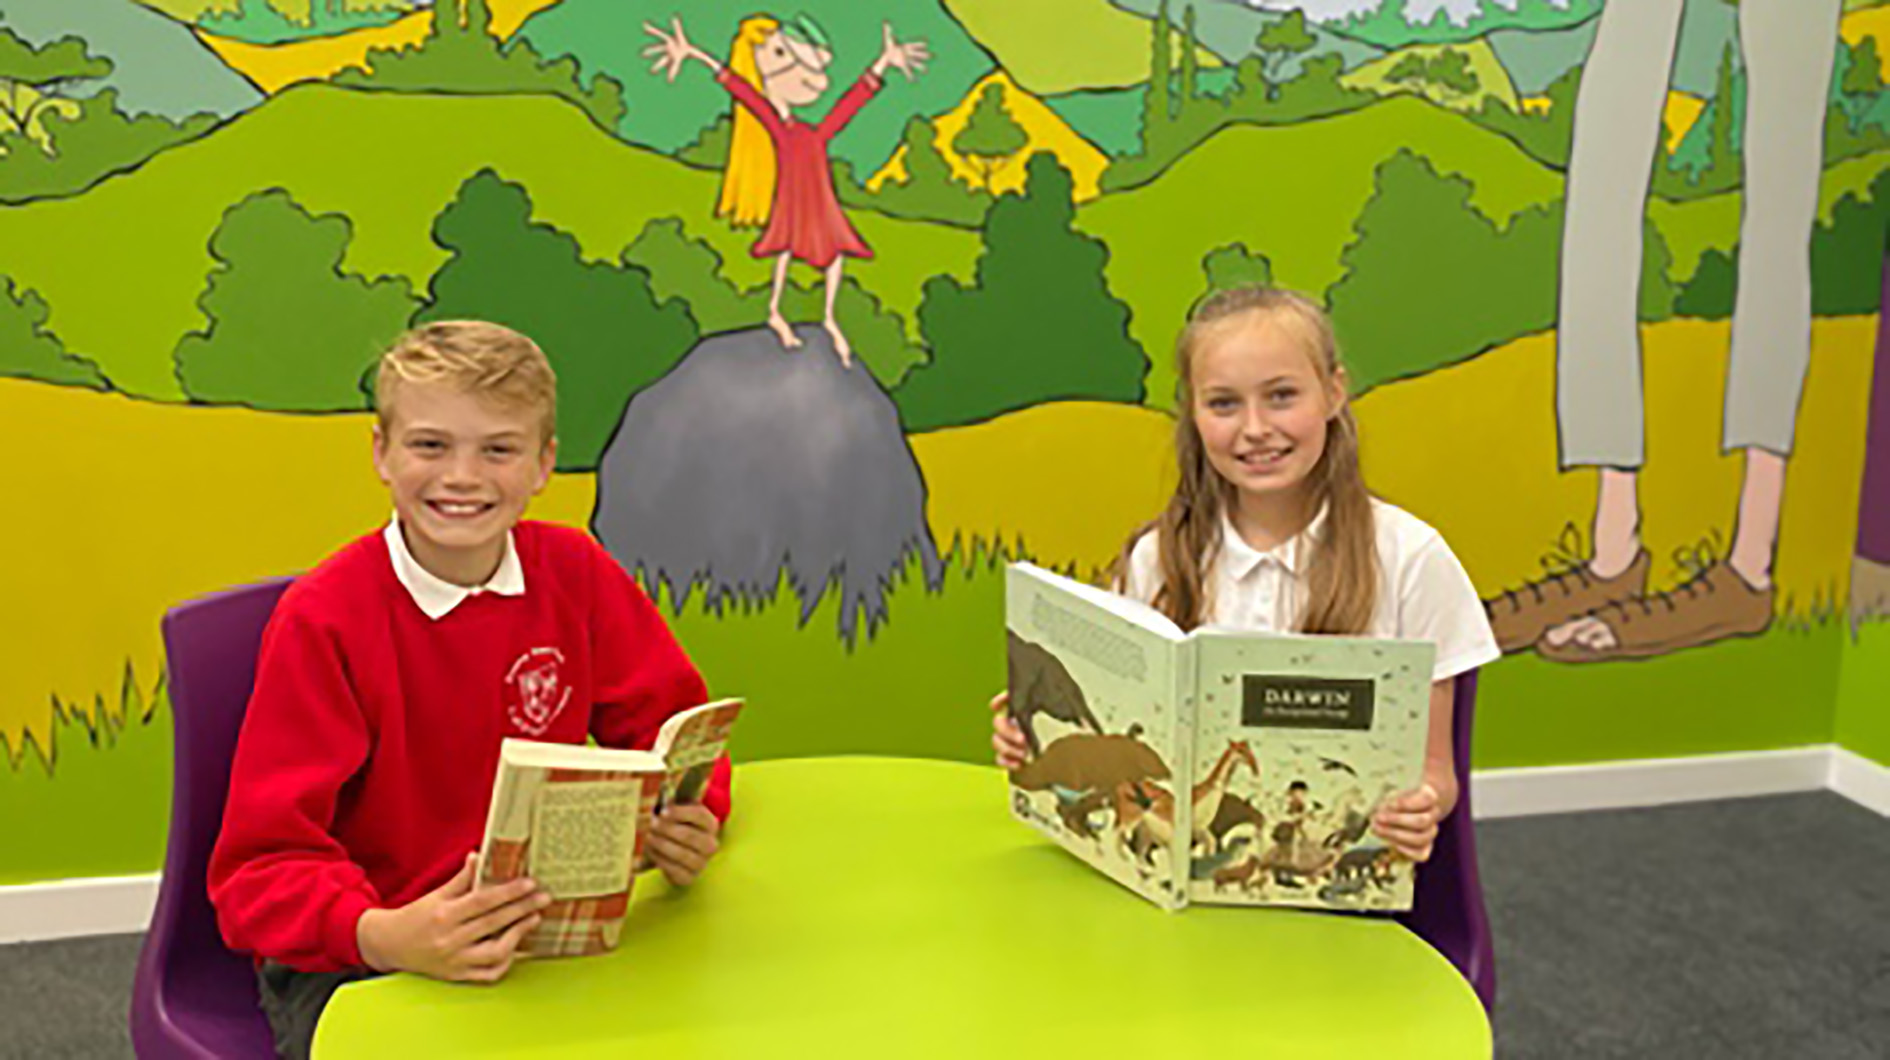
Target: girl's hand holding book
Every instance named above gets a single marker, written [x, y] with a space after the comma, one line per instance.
[1007, 738]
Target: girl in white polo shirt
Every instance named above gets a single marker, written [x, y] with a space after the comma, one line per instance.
[1271, 526]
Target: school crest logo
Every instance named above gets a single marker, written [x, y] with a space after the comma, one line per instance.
[535, 690]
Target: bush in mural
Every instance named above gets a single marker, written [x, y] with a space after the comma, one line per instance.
[1235, 266]
[288, 329]
[598, 321]
[460, 54]
[1846, 262]
[29, 351]
[1429, 280]
[53, 144]
[1037, 324]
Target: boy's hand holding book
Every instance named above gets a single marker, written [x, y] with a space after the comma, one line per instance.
[683, 839]
[454, 932]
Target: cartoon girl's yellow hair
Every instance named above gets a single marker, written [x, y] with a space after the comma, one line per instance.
[748, 180]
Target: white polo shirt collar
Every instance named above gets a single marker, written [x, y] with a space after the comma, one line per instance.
[435, 596]
[1239, 559]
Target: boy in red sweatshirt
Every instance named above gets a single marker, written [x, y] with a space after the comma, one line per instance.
[390, 673]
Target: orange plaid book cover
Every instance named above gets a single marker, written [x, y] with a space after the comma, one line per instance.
[577, 832]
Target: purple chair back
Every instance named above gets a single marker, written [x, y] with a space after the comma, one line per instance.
[192, 997]
[1447, 911]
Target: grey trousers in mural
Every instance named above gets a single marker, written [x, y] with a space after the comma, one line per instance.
[1788, 48]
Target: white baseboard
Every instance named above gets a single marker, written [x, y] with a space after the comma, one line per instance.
[1861, 780]
[37, 912]
[1649, 782]
[59, 909]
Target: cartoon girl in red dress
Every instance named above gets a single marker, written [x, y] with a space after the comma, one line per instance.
[777, 171]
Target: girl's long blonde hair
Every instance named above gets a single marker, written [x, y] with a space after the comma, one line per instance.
[1342, 576]
[748, 180]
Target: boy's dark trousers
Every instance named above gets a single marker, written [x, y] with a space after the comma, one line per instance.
[293, 1002]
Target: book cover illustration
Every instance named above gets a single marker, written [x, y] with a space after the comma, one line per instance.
[1308, 735]
[1094, 703]
[690, 743]
[576, 832]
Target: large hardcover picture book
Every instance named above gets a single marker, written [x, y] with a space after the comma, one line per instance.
[1224, 766]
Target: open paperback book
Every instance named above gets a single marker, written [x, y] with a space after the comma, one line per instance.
[1224, 766]
[576, 819]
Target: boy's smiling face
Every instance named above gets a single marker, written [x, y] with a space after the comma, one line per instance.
[461, 470]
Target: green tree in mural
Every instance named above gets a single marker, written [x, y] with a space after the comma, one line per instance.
[1428, 280]
[1724, 167]
[1156, 102]
[598, 322]
[1234, 265]
[460, 54]
[929, 190]
[1037, 324]
[990, 135]
[1190, 89]
[28, 350]
[1847, 255]
[288, 329]
[1709, 293]
[1863, 74]
[1282, 40]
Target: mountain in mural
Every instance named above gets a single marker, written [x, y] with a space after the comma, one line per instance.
[1229, 28]
[607, 36]
[1458, 76]
[159, 67]
[1398, 23]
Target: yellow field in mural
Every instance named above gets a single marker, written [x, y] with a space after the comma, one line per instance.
[1471, 449]
[133, 506]
[1063, 482]
[130, 507]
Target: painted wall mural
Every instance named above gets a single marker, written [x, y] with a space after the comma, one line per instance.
[849, 308]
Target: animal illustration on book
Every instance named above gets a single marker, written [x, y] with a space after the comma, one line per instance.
[1041, 684]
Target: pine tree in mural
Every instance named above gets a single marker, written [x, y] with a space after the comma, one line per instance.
[991, 135]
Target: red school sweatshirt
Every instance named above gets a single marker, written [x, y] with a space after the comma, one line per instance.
[366, 758]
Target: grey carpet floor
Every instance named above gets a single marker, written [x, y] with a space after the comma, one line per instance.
[1757, 928]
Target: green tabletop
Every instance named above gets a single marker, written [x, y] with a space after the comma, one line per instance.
[891, 907]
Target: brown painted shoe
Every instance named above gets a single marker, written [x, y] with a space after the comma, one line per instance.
[1713, 605]
[1520, 617]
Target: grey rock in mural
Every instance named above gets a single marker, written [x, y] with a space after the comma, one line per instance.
[748, 458]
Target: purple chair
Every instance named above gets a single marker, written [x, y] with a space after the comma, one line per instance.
[1447, 911]
[192, 997]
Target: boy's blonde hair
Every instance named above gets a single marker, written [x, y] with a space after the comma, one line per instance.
[489, 361]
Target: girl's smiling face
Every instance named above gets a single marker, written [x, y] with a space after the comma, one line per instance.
[1260, 406]
[792, 73]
